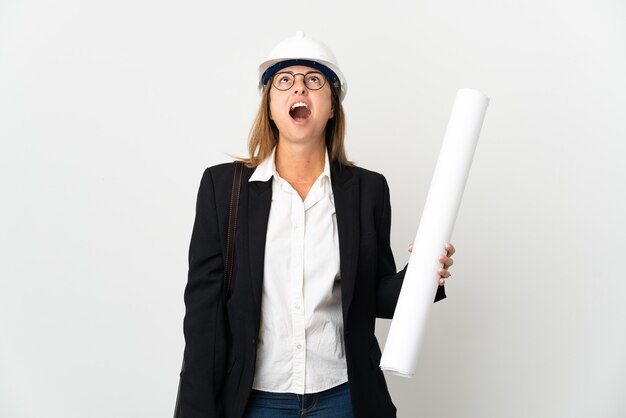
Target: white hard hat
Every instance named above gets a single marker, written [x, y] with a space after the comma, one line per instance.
[302, 50]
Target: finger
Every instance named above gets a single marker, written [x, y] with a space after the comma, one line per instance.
[410, 247]
[442, 282]
[450, 249]
[447, 261]
[444, 273]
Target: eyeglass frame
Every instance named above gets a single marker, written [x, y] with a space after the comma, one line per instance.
[322, 76]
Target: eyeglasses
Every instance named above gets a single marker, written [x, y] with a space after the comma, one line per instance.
[313, 80]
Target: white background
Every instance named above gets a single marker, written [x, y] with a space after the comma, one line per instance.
[110, 111]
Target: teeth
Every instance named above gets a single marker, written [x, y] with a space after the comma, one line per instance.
[299, 104]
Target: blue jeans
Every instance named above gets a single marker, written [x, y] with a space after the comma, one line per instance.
[334, 402]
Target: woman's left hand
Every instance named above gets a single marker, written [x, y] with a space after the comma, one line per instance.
[446, 260]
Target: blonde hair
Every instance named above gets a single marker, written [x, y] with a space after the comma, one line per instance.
[264, 133]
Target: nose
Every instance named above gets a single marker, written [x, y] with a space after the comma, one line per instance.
[298, 85]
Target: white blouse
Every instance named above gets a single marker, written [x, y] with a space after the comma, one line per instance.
[300, 345]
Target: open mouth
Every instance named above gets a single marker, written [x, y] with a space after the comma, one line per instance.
[300, 111]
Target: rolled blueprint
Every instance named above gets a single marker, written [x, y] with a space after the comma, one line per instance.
[435, 229]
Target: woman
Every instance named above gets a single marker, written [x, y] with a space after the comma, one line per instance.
[313, 268]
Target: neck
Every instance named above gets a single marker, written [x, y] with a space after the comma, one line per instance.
[300, 163]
